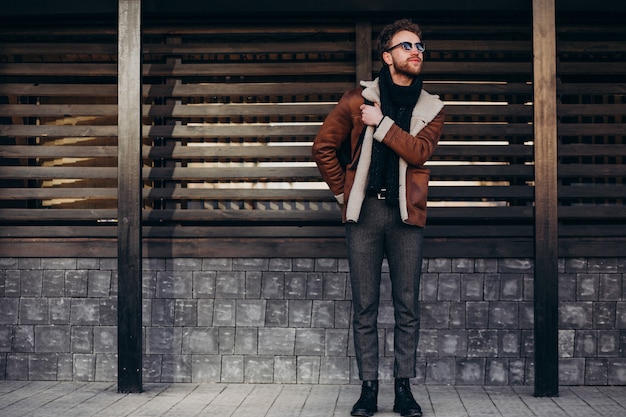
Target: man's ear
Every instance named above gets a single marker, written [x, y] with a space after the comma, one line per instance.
[387, 58]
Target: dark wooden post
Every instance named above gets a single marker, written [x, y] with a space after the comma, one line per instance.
[129, 261]
[546, 203]
[363, 50]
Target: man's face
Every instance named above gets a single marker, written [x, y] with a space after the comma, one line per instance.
[403, 63]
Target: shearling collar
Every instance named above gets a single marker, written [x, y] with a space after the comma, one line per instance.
[371, 90]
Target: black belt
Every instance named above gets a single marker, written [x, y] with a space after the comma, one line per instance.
[381, 195]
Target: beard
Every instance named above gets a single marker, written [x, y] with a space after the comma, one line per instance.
[407, 68]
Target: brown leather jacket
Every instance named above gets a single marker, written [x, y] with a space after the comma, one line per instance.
[414, 149]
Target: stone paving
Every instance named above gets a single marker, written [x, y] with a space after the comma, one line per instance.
[82, 399]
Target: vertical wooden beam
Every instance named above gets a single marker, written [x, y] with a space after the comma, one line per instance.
[546, 203]
[129, 261]
[363, 50]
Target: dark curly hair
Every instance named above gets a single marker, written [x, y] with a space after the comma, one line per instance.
[391, 29]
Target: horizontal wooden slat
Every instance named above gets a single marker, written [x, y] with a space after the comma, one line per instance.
[53, 131]
[460, 87]
[180, 70]
[237, 194]
[479, 192]
[455, 193]
[584, 46]
[173, 173]
[331, 213]
[247, 69]
[243, 173]
[326, 215]
[474, 172]
[578, 149]
[257, 247]
[301, 247]
[573, 88]
[586, 110]
[172, 152]
[490, 110]
[245, 89]
[267, 130]
[591, 129]
[584, 247]
[250, 152]
[33, 48]
[590, 68]
[59, 247]
[272, 88]
[481, 213]
[287, 45]
[178, 110]
[57, 192]
[486, 129]
[234, 47]
[592, 230]
[272, 109]
[591, 170]
[173, 215]
[258, 69]
[279, 151]
[182, 232]
[74, 231]
[236, 28]
[58, 69]
[60, 172]
[61, 151]
[219, 130]
[199, 90]
[72, 215]
[59, 110]
[338, 230]
[176, 232]
[592, 191]
[481, 151]
[287, 109]
[177, 90]
[58, 48]
[169, 193]
[593, 212]
[233, 173]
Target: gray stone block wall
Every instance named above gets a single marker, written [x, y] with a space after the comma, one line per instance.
[284, 320]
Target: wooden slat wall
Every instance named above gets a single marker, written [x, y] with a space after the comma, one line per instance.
[481, 193]
[591, 62]
[48, 112]
[230, 111]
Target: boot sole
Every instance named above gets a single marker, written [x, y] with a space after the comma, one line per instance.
[363, 413]
[396, 409]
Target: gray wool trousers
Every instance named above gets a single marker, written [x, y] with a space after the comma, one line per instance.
[380, 232]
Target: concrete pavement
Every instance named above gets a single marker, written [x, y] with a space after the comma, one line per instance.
[101, 399]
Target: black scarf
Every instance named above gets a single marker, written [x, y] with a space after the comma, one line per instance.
[397, 102]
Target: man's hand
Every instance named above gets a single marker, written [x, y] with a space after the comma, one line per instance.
[371, 115]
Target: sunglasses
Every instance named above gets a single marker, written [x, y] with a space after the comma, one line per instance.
[408, 46]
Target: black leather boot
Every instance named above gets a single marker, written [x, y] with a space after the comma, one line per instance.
[368, 402]
[404, 403]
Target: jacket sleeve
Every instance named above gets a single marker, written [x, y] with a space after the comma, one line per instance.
[415, 150]
[338, 125]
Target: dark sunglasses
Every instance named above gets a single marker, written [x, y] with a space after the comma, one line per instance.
[408, 46]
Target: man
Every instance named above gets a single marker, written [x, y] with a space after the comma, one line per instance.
[383, 192]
